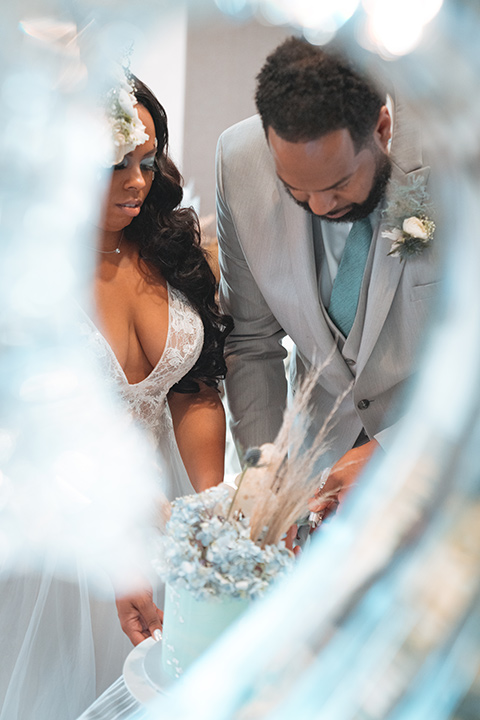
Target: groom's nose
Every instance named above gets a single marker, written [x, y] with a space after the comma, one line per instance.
[322, 203]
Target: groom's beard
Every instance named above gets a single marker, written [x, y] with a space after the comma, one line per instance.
[362, 210]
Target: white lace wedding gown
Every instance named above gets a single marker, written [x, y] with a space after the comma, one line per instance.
[60, 647]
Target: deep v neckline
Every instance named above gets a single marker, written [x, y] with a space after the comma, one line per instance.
[112, 352]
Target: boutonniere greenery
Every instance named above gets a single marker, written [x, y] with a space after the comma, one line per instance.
[407, 219]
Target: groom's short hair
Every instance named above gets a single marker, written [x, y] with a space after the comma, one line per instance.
[304, 92]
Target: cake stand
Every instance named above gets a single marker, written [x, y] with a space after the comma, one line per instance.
[143, 674]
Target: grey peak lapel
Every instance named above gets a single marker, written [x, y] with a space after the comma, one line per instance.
[407, 159]
[384, 279]
[406, 149]
[385, 276]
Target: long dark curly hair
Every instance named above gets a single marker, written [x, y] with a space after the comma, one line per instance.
[168, 241]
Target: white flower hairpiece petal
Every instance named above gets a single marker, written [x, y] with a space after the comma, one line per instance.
[126, 129]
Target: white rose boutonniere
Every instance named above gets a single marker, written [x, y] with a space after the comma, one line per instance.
[409, 227]
[415, 227]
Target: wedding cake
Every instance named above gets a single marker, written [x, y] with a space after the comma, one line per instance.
[191, 626]
[213, 570]
[223, 548]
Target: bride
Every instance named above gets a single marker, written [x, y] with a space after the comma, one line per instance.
[158, 335]
[161, 332]
[156, 310]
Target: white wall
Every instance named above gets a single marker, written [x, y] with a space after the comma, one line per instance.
[161, 64]
[223, 59]
[202, 68]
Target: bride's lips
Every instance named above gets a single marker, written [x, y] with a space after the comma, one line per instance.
[131, 209]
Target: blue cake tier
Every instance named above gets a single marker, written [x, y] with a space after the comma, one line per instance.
[190, 626]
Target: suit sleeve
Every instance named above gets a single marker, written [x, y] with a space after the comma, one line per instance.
[255, 383]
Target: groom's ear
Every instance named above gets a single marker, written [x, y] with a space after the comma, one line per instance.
[383, 129]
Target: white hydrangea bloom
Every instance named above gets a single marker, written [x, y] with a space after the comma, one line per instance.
[126, 129]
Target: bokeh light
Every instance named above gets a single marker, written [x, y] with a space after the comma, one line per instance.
[395, 27]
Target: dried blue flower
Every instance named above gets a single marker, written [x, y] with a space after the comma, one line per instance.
[252, 457]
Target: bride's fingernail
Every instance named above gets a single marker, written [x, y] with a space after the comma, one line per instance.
[157, 635]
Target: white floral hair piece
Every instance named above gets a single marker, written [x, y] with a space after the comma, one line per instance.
[126, 128]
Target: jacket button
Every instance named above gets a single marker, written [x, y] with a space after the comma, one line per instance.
[349, 361]
[363, 404]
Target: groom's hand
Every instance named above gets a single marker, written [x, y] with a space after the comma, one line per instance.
[342, 477]
[139, 616]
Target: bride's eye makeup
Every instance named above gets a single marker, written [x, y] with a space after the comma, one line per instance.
[148, 164]
[121, 165]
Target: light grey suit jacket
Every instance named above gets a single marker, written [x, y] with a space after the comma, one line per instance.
[269, 285]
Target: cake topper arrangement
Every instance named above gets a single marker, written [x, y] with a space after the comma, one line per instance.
[230, 541]
[224, 547]
[208, 550]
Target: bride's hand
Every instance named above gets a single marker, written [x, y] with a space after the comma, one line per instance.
[139, 616]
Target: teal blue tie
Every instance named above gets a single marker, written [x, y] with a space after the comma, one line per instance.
[348, 281]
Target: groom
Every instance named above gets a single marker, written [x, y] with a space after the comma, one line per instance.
[301, 188]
